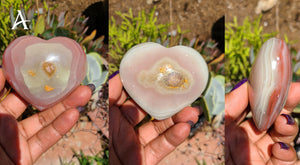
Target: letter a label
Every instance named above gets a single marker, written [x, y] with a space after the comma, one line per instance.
[23, 21]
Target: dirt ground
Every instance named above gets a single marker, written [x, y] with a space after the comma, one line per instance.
[74, 7]
[197, 16]
[284, 17]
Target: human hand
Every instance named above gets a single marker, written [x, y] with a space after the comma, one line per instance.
[149, 143]
[23, 142]
[245, 144]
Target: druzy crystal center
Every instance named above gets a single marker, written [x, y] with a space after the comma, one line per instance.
[49, 68]
[174, 80]
[166, 76]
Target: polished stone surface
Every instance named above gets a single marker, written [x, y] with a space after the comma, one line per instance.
[163, 80]
[44, 72]
[270, 79]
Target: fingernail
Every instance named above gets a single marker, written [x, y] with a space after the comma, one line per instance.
[92, 87]
[191, 123]
[289, 119]
[113, 75]
[239, 84]
[284, 146]
[80, 109]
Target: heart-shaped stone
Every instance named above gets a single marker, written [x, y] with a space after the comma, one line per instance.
[270, 80]
[162, 80]
[44, 72]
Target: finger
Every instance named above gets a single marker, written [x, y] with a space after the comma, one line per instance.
[5, 159]
[132, 112]
[35, 123]
[115, 90]
[157, 149]
[235, 104]
[77, 98]
[2, 80]
[113, 158]
[262, 140]
[4, 88]
[121, 99]
[13, 104]
[152, 130]
[283, 154]
[253, 133]
[49, 135]
[123, 139]
[9, 141]
[284, 130]
[280, 131]
[293, 97]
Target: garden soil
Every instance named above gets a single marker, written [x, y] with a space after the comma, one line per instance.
[283, 18]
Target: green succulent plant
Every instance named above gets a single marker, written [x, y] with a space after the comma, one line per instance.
[132, 31]
[8, 9]
[213, 99]
[95, 75]
[240, 40]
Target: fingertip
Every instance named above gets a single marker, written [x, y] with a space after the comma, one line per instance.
[285, 129]
[165, 143]
[2, 79]
[285, 126]
[79, 97]
[293, 97]
[92, 87]
[178, 133]
[115, 89]
[283, 152]
[66, 121]
[187, 114]
[235, 103]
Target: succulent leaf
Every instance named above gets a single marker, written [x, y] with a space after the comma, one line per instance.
[40, 25]
[94, 73]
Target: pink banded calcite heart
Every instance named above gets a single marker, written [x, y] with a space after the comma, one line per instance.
[270, 80]
[162, 80]
[44, 72]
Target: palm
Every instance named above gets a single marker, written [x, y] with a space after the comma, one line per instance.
[23, 142]
[149, 143]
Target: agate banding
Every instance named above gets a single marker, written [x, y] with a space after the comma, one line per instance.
[44, 72]
[162, 80]
[270, 79]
